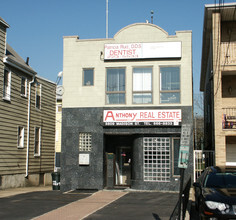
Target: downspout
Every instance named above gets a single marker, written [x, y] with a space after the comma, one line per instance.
[28, 129]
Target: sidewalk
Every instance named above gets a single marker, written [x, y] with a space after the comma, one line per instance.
[42, 203]
[84, 207]
[21, 190]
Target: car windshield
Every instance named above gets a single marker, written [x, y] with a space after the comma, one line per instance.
[221, 180]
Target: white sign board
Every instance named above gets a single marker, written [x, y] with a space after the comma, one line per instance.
[142, 117]
[184, 146]
[143, 50]
[83, 159]
[183, 157]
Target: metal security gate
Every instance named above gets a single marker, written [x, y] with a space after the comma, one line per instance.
[202, 159]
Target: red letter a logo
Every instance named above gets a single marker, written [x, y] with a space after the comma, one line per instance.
[109, 115]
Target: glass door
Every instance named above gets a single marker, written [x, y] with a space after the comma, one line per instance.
[123, 166]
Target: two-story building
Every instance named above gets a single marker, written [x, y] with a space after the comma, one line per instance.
[218, 81]
[124, 103]
[27, 121]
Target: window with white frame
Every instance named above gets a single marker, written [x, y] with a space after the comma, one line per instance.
[85, 142]
[38, 96]
[142, 85]
[115, 88]
[88, 77]
[23, 86]
[20, 139]
[170, 84]
[7, 85]
[176, 146]
[37, 141]
[156, 157]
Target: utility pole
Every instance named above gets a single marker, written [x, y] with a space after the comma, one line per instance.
[106, 18]
[152, 16]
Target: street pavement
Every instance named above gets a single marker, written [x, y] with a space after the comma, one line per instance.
[43, 203]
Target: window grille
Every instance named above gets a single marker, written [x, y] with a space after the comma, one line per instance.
[85, 142]
[156, 157]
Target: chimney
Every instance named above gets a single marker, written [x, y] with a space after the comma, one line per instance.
[27, 61]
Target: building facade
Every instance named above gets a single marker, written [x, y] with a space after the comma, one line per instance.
[218, 77]
[59, 94]
[27, 122]
[124, 103]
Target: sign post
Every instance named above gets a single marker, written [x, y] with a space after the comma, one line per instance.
[183, 159]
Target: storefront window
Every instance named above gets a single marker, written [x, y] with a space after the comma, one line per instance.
[156, 159]
[170, 85]
[142, 85]
[176, 146]
[115, 89]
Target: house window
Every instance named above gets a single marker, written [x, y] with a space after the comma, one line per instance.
[7, 85]
[38, 95]
[88, 77]
[176, 146]
[85, 142]
[115, 89]
[230, 150]
[59, 108]
[23, 86]
[142, 85]
[37, 141]
[20, 141]
[170, 84]
[156, 157]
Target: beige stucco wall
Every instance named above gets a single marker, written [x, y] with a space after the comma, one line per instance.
[79, 54]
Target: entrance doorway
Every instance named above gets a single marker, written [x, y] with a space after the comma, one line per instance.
[123, 166]
[119, 165]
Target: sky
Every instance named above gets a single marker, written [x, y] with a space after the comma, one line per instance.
[37, 27]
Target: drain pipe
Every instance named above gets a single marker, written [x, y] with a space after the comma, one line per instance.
[28, 129]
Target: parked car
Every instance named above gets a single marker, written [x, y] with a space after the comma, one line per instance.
[215, 193]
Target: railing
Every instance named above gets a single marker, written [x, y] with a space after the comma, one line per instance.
[202, 159]
[228, 53]
[229, 118]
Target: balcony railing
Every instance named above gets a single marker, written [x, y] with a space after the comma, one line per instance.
[229, 118]
[228, 53]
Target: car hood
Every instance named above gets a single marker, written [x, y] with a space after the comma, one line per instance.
[221, 195]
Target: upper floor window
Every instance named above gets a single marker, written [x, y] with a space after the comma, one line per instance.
[38, 96]
[37, 141]
[59, 108]
[170, 84]
[115, 88]
[142, 85]
[7, 85]
[20, 141]
[88, 77]
[23, 86]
